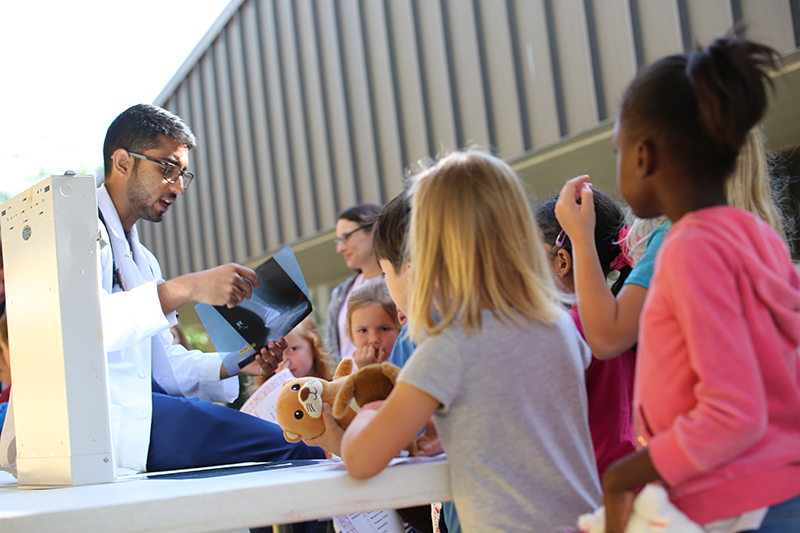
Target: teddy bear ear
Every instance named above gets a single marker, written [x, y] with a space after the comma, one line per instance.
[343, 397]
[345, 368]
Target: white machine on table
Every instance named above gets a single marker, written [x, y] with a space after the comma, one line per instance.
[59, 369]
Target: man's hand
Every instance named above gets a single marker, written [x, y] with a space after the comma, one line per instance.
[331, 439]
[227, 285]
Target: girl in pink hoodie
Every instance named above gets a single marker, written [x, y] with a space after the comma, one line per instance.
[717, 388]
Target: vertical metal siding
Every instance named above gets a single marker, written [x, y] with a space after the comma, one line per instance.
[384, 99]
[772, 25]
[305, 107]
[577, 79]
[303, 197]
[500, 78]
[616, 52]
[537, 71]
[317, 129]
[336, 103]
[709, 19]
[359, 102]
[408, 81]
[261, 142]
[232, 175]
[246, 199]
[471, 116]
[190, 201]
[213, 145]
[436, 82]
[660, 28]
[203, 186]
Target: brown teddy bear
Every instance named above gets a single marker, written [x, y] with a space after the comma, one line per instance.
[299, 404]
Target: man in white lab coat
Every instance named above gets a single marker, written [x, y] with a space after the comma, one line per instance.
[158, 420]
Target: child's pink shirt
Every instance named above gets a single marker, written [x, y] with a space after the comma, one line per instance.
[717, 393]
[609, 387]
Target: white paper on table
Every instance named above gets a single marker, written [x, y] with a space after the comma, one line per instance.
[372, 522]
[262, 403]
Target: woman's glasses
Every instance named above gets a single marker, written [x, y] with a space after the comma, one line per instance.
[346, 236]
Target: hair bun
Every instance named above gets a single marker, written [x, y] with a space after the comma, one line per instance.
[728, 80]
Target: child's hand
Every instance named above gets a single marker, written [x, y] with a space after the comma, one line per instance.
[429, 443]
[331, 439]
[268, 360]
[368, 355]
[576, 219]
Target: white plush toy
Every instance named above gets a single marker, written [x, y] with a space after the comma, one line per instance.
[652, 513]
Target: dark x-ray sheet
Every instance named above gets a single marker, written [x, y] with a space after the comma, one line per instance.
[278, 304]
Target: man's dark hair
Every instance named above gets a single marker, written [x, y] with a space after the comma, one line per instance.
[138, 127]
[390, 229]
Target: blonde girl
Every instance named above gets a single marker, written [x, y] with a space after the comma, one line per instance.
[499, 365]
[372, 323]
[305, 354]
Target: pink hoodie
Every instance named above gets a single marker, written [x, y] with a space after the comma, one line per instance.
[717, 391]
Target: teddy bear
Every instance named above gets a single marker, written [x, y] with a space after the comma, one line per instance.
[299, 403]
[652, 513]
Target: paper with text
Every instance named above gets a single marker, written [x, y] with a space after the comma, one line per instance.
[372, 522]
[263, 401]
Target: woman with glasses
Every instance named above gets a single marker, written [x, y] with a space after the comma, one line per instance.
[354, 241]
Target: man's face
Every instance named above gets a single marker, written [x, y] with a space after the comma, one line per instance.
[149, 194]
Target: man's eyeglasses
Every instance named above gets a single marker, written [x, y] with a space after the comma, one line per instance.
[347, 235]
[171, 171]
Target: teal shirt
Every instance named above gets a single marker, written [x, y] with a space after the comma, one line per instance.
[642, 273]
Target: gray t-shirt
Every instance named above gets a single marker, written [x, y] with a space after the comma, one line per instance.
[513, 422]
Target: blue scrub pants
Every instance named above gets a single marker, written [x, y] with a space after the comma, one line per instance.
[190, 433]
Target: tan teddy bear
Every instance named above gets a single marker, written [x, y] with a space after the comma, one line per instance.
[299, 404]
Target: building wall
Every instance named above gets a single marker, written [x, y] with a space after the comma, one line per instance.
[305, 107]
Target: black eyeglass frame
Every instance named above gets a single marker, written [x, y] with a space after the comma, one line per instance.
[347, 235]
[185, 175]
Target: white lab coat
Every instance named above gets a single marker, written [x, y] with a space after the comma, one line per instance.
[139, 344]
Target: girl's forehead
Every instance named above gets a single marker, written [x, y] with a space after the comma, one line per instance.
[295, 336]
[370, 310]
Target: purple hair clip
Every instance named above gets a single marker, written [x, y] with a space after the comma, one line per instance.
[560, 238]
